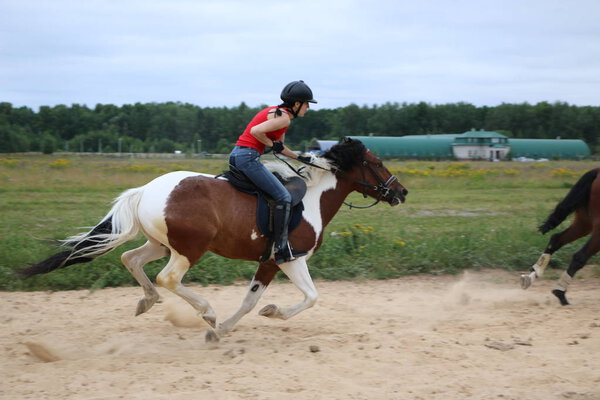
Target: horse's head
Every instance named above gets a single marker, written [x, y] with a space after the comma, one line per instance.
[354, 161]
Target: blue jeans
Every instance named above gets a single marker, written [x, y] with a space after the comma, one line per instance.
[247, 160]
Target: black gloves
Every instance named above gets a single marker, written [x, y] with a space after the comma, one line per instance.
[304, 159]
[277, 147]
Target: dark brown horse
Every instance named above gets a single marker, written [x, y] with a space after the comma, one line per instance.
[584, 200]
[185, 214]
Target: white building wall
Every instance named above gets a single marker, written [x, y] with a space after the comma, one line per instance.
[479, 152]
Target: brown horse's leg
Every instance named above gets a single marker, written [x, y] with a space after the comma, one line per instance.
[264, 275]
[170, 278]
[580, 227]
[578, 261]
[134, 260]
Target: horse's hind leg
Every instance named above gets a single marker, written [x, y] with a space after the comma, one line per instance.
[578, 229]
[134, 260]
[263, 276]
[297, 271]
[577, 262]
[170, 278]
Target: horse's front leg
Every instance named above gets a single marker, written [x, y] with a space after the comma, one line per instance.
[537, 270]
[580, 227]
[589, 249]
[557, 241]
[297, 271]
[263, 276]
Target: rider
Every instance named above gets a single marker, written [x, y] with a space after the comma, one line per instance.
[267, 129]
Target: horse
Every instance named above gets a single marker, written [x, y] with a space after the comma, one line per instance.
[584, 200]
[184, 214]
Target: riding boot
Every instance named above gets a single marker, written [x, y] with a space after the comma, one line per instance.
[282, 248]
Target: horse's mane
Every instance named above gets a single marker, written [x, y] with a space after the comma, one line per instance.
[342, 156]
[346, 155]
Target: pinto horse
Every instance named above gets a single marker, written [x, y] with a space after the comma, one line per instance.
[584, 200]
[185, 214]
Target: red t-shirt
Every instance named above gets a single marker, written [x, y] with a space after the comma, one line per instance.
[248, 140]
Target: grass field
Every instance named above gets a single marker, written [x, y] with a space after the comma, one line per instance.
[458, 215]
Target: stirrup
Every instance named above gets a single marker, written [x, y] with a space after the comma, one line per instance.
[288, 254]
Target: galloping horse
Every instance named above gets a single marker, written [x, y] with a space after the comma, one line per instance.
[185, 214]
[584, 200]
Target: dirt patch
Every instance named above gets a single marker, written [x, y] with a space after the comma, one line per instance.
[476, 336]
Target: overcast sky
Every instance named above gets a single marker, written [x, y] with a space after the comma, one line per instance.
[224, 52]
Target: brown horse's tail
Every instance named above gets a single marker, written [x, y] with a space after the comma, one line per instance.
[578, 197]
[119, 226]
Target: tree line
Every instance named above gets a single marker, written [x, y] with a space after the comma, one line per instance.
[167, 127]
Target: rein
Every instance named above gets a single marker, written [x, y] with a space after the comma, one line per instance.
[382, 187]
[296, 171]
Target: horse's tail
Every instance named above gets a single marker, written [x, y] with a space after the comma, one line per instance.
[578, 197]
[119, 226]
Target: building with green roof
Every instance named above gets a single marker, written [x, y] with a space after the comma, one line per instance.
[473, 145]
[424, 147]
[570, 149]
[480, 145]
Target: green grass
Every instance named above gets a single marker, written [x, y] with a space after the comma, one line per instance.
[457, 216]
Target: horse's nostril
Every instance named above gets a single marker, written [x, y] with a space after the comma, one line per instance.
[404, 191]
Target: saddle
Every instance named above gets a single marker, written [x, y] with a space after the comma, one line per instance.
[264, 220]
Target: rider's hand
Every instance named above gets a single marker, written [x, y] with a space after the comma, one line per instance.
[277, 147]
[304, 159]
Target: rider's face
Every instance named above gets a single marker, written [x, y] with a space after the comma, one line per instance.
[303, 108]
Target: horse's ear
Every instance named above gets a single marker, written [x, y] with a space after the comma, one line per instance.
[346, 139]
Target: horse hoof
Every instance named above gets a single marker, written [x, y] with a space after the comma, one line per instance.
[268, 311]
[560, 294]
[211, 337]
[525, 281]
[144, 305]
[210, 319]
[141, 308]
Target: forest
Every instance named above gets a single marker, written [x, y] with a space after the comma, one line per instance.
[175, 126]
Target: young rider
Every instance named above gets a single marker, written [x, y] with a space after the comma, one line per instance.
[267, 129]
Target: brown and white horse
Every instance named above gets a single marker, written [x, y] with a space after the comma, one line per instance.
[185, 214]
[584, 200]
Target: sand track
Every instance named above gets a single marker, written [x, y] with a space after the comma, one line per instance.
[476, 336]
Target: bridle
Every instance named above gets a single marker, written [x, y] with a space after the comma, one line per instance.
[383, 187]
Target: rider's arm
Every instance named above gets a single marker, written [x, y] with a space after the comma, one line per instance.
[286, 150]
[260, 131]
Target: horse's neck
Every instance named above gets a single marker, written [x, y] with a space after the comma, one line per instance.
[332, 200]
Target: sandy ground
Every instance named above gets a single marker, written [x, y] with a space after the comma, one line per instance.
[475, 336]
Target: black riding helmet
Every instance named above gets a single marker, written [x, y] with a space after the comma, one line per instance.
[297, 91]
